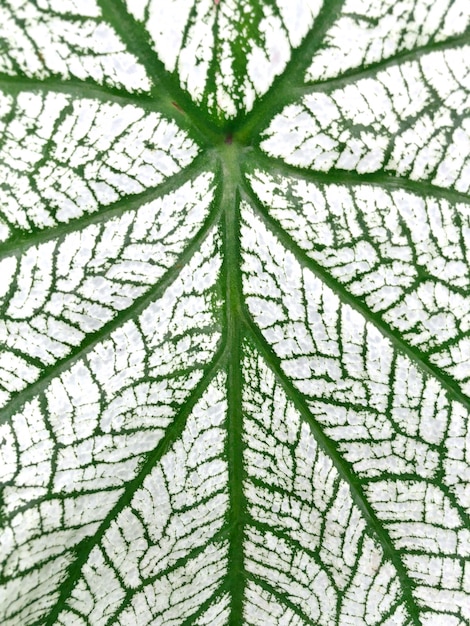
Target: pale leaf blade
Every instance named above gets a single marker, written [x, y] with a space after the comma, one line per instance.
[68, 40]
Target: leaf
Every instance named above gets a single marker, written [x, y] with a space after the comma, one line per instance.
[235, 347]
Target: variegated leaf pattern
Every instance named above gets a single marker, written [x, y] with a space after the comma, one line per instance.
[234, 313]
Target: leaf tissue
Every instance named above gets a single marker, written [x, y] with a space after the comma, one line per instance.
[235, 312]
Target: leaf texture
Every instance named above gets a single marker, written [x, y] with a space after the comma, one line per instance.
[66, 39]
[235, 313]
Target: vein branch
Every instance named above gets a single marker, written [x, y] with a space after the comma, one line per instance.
[174, 100]
[22, 241]
[75, 87]
[249, 126]
[343, 468]
[351, 178]
[173, 432]
[92, 339]
[416, 356]
[371, 69]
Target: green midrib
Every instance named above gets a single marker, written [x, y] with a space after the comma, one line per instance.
[229, 154]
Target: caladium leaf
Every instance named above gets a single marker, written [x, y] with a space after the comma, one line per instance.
[234, 291]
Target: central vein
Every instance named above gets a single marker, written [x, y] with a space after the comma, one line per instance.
[231, 240]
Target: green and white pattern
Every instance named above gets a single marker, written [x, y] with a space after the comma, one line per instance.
[235, 312]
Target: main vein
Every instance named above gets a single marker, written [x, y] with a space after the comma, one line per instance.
[234, 379]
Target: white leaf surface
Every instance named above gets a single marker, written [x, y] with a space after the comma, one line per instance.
[234, 313]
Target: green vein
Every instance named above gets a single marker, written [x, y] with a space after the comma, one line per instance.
[256, 158]
[281, 597]
[355, 74]
[76, 87]
[417, 357]
[343, 468]
[233, 290]
[22, 241]
[295, 545]
[171, 435]
[91, 340]
[167, 90]
[249, 125]
[212, 599]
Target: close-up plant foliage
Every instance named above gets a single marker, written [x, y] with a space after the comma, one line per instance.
[234, 326]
